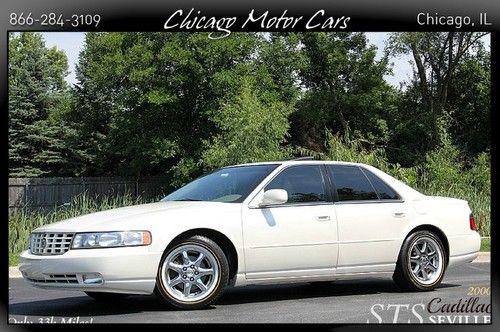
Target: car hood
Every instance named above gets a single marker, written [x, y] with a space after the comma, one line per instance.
[134, 217]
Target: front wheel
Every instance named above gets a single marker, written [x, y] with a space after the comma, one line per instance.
[422, 262]
[193, 273]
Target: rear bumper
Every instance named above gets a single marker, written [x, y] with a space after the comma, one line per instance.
[123, 270]
[464, 249]
[462, 259]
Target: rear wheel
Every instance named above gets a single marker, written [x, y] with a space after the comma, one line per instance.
[104, 297]
[422, 262]
[193, 273]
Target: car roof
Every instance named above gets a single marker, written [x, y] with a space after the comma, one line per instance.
[300, 162]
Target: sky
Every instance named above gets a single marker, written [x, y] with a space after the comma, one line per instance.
[402, 70]
[72, 43]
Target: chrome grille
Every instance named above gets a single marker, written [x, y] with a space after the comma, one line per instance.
[50, 243]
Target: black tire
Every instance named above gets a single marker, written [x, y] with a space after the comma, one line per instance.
[403, 275]
[106, 297]
[221, 281]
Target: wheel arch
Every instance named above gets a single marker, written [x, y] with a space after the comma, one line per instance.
[435, 230]
[222, 241]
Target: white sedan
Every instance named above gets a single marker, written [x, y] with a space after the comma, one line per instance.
[260, 223]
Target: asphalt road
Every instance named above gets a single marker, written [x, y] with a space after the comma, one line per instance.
[354, 301]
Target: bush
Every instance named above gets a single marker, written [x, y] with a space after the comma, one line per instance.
[444, 174]
[353, 151]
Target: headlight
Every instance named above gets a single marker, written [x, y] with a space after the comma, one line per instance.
[111, 239]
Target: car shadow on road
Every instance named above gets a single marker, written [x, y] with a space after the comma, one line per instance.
[341, 288]
[84, 306]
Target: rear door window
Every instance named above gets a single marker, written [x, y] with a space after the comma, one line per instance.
[352, 184]
[383, 190]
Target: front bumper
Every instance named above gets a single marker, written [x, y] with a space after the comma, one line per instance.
[129, 270]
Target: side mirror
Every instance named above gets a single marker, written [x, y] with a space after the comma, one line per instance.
[274, 197]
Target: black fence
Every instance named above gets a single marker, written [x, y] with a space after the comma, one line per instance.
[47, 193]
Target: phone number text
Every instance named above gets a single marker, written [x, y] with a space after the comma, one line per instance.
[54, 19]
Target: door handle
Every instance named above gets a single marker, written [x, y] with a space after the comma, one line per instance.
[323, 218]
[399, 214]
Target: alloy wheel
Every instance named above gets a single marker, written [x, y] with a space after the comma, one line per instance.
[426, 260]
[190, 273]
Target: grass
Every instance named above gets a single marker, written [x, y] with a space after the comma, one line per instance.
[13, 259]
[486, 244]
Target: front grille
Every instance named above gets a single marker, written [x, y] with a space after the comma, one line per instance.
[50, 243]
[56, 279]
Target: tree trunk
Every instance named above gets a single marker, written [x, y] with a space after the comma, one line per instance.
[338, 110]
[343, 122]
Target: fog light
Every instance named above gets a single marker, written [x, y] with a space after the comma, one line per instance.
[92, 279]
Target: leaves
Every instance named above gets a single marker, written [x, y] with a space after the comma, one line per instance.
[345, 91]
[252, 129]
[437, 56]
[181, 103]
[38, 96]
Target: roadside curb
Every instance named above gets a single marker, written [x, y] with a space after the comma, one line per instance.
[14, 272]
[484, 257]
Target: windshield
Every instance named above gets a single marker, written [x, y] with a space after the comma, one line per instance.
[231, 184]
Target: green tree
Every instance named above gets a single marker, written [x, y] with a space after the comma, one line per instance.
[436, 55]
[145, 101]
[37, 95]
[469, 104]
[345, 91]
[283, 59]
[410, 129]
[253, 127]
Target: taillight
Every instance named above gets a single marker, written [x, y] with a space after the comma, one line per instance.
[472, 222]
